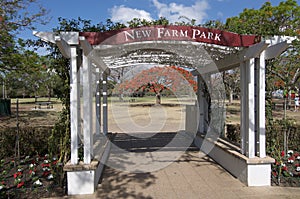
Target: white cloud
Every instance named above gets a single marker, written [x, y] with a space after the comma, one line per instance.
[124, 14]
[220, 14]
[174, 11]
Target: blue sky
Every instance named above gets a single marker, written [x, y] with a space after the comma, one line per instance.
[124, 10]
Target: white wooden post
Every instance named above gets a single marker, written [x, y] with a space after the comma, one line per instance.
[105, 103]
[260, 106]
[98, 102]
[247, 108]
[88, 52]
[243, 116]
[74, 104]
[87, 110]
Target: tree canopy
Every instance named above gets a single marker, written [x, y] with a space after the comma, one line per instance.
[268, 21]
[157, 79]
[17, 63]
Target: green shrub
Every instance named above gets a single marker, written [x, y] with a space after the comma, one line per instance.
[33, 140]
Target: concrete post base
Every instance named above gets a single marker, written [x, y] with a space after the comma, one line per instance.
[84, 178]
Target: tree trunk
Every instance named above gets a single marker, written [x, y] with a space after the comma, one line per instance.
[35, 97]
[158, 98]
[49, 93]
[230, 96]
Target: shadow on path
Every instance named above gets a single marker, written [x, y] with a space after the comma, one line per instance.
[118, 182]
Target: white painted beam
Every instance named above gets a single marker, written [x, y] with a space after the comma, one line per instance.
[275, 50]
[85, 45]
[233, 60]
[72, 38]
[63, 46]
[254, 51]
[94, 56]
[45, 36]
[229, 62]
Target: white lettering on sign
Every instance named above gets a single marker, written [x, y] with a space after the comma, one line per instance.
[137, 34]
[206, 35]
[160, 33]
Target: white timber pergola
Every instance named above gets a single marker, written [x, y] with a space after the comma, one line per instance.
[189, 46]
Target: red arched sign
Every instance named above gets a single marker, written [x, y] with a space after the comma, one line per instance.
[167, 33]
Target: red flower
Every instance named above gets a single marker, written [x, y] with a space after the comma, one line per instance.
[55, 162]
[274, 173]
[45, 165]
[30, 171]
[291, 158]
[17, 174]
[282, 153]
[20, 184]
[284, 168]
[46, 173]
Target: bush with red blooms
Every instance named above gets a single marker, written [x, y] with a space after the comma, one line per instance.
[286, 170]
[31, 174]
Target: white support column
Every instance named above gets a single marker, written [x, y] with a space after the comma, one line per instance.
[260, 106]
[243, 105]
[98, 102]
[105, 103]
[250, 108]
[87, 110]
[79, 125]
[74, 104]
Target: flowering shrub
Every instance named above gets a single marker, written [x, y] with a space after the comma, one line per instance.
[287, 169]
[32, 173]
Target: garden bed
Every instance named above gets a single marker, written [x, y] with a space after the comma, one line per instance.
[286, 171]
[32, 177]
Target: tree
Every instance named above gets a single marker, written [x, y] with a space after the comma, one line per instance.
[34, 79]
[231, 80]
[268, 21]
[15, 17]
[157, 79]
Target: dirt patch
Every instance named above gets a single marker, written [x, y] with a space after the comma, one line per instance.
[29, 115]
